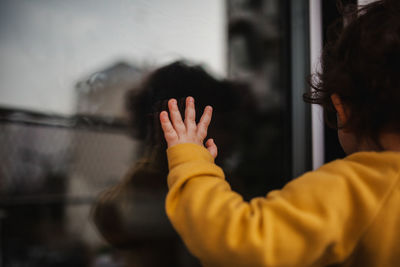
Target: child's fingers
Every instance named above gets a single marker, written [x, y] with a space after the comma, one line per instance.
[176, 117]
[169, 132]
[212, 147]
[204, 122]
[190, 114]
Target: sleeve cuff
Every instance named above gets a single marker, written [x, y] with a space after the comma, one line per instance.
[187, 152]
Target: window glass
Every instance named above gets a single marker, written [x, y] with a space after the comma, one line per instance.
[82, 161]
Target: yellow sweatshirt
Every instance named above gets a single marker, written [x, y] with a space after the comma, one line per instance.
[347, 213]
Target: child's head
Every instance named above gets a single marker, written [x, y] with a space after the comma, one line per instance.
[361, 67]
[179, 80]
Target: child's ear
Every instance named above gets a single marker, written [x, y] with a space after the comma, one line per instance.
[340, 109]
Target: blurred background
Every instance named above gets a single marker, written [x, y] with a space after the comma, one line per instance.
[65, 70]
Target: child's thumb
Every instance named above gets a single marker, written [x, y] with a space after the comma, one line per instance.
[212, 147]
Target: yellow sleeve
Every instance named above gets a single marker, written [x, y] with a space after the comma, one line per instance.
[314, 220]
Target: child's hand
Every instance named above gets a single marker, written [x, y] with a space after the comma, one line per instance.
[179, 132]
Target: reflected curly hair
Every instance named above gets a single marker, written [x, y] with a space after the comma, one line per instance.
[179, 80]
[361, 64]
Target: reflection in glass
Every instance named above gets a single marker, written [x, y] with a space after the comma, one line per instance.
[83, 167]
[258, 55]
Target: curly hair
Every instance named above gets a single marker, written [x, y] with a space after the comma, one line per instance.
[179, 80]
[361, 64]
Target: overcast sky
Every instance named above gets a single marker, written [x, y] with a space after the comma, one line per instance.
[46, 46]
